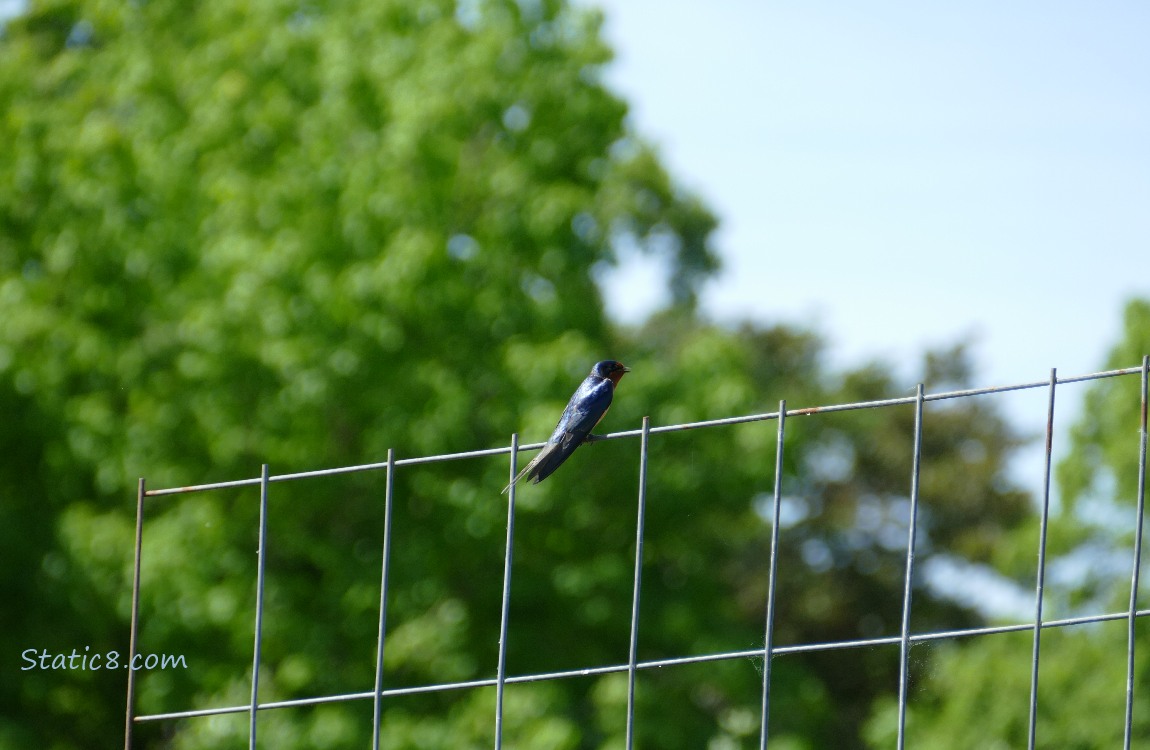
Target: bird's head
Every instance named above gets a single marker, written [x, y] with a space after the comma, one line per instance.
[611, 369]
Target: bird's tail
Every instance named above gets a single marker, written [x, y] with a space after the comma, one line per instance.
[548, 460]
[526, 471]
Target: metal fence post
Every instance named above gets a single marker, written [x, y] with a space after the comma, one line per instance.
[1140, 502]
[1040, 578]
[769, 637]
[639, 523]
[261, 558]
[912, 528]
[501, 670]
[377, 710]
[129, 718]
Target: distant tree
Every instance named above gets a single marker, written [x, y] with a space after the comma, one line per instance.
[976, 692]
[1103, 462]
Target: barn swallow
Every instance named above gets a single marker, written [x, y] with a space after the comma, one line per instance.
[587, 406]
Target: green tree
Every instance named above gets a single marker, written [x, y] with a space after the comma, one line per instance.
[220, 222]
[1103, 461]
[1081, 700]
[304, 234]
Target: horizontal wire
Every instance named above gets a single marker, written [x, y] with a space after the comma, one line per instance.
[636, 433]
[753, 653]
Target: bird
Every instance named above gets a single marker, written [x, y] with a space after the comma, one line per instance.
[587, 406]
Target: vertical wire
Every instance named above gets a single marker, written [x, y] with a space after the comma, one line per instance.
[378, 697]
[904, 647]
[134, 627]
[632, 659]
[261, 557]
[501, 670]
[769, 637]
[1141, 503]
[1040, 579]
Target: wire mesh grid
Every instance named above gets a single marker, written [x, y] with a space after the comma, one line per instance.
[906, 639]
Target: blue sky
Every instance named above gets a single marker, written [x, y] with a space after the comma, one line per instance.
[906, 174]
[903, 174]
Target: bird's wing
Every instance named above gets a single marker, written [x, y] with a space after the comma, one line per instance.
[587, 406]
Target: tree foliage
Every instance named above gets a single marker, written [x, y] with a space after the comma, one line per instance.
[302, 234]
[1083, 670]
[1104, 455]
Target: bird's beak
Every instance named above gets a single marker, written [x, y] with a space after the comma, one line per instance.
[626, 368]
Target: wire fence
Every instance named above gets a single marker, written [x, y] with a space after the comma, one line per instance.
[905, 639]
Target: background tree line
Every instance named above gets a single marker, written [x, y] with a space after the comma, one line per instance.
[302, 234]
